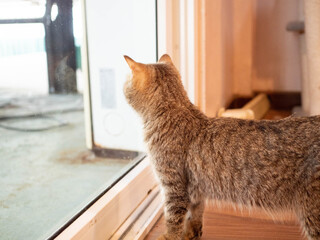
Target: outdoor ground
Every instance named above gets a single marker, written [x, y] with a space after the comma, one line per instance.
[46, 177]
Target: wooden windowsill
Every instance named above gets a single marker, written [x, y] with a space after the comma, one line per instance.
[131, 206]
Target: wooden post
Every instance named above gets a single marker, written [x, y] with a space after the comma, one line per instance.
[312, 31]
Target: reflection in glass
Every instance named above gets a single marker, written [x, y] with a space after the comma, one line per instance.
[47, 174]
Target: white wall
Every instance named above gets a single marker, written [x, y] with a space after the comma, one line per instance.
[117, 28]
[23, 61]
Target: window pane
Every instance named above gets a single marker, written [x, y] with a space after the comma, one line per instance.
[47, 174]
[23, 58]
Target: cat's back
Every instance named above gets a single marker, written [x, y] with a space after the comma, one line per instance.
[295, 128]
[256, 157]
[292, 140]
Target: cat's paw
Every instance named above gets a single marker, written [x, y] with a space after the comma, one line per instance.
[169, 237]
[162, 237]
[193, 231]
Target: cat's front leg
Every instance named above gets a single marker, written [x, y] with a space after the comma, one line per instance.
[194, 221]
[176, 204]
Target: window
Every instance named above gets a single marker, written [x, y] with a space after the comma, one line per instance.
[48, 174]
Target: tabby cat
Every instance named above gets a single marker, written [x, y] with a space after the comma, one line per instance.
[274, 165]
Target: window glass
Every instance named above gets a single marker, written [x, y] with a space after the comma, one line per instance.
[22, 9]
[48, 176]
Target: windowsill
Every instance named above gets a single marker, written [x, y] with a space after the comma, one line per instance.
[128, 210]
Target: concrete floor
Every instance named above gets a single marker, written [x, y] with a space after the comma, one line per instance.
[47, 177]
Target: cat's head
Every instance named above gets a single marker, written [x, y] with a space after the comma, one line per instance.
[153, 84]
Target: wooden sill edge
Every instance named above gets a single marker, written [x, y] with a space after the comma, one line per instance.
[132, 206]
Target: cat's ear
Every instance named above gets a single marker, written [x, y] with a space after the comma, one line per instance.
[165, 58]
[134, 66]
[138, 73]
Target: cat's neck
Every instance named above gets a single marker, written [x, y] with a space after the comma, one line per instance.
[164, 110]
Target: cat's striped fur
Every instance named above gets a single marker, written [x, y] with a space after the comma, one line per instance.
[274, 165]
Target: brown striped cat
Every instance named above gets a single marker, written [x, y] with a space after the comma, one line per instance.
[274, 165]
